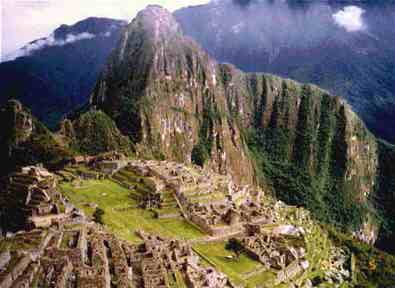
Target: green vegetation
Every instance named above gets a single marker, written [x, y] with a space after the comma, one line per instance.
[121, 214]
[95, 133]
[211, 116]
[307, 166]
[385, 196]
[242, 270]
[98, 216]
[25, 141]
[200, 154]
[235, 246]
[371, 267]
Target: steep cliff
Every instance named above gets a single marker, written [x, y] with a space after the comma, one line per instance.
[287, 38]
[309, 146]
[162, 91]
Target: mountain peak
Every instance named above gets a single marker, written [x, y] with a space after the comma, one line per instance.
[92, 25]
[158, 22]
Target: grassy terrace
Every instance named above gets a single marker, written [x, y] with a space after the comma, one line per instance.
[121, 214]
[243, 271]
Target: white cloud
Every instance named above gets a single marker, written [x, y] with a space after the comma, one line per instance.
[27, 20]
[350, 18]
[48, 42]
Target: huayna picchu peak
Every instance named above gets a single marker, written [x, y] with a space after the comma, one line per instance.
[184, 172]
[164, 92]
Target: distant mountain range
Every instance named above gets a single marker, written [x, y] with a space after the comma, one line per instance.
[343, 46]
[54, 75]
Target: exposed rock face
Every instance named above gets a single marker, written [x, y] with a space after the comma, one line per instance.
[162, 90]
[21, 120]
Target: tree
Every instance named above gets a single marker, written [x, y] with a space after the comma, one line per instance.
[235, 246]
[98, 215]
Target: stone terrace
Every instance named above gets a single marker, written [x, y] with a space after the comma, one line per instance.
[32, 196]
[211, 201]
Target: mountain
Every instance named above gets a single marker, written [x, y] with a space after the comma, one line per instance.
[54, 75]
[342, 46]
[161, 90]
[304, 145]
[212, 152]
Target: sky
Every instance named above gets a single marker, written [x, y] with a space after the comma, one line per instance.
[23, 21]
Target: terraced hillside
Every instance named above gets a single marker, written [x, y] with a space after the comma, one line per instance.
[164, 224]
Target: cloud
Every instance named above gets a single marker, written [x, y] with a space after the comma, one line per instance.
[48, 42]
[350, 18]
[41, 17]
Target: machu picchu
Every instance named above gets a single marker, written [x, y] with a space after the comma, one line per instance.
[167, 230]
[184, 172]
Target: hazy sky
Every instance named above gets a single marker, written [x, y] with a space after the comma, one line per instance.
[25, 20]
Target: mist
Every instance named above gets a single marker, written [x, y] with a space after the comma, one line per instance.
[49, 42]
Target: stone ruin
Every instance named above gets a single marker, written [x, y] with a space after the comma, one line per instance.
[154, 191]
[283, 248]
[85, 167]
[163, 257]
[85, 255]
[213, 202]
[31, 195]
[69, 256]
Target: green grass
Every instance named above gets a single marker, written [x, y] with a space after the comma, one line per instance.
[264, 279]
[121, 216]
[237, 269]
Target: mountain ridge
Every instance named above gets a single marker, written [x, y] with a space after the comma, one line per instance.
[46, 79]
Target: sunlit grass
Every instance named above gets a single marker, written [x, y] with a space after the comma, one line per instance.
[121, 214]
[240, 271]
